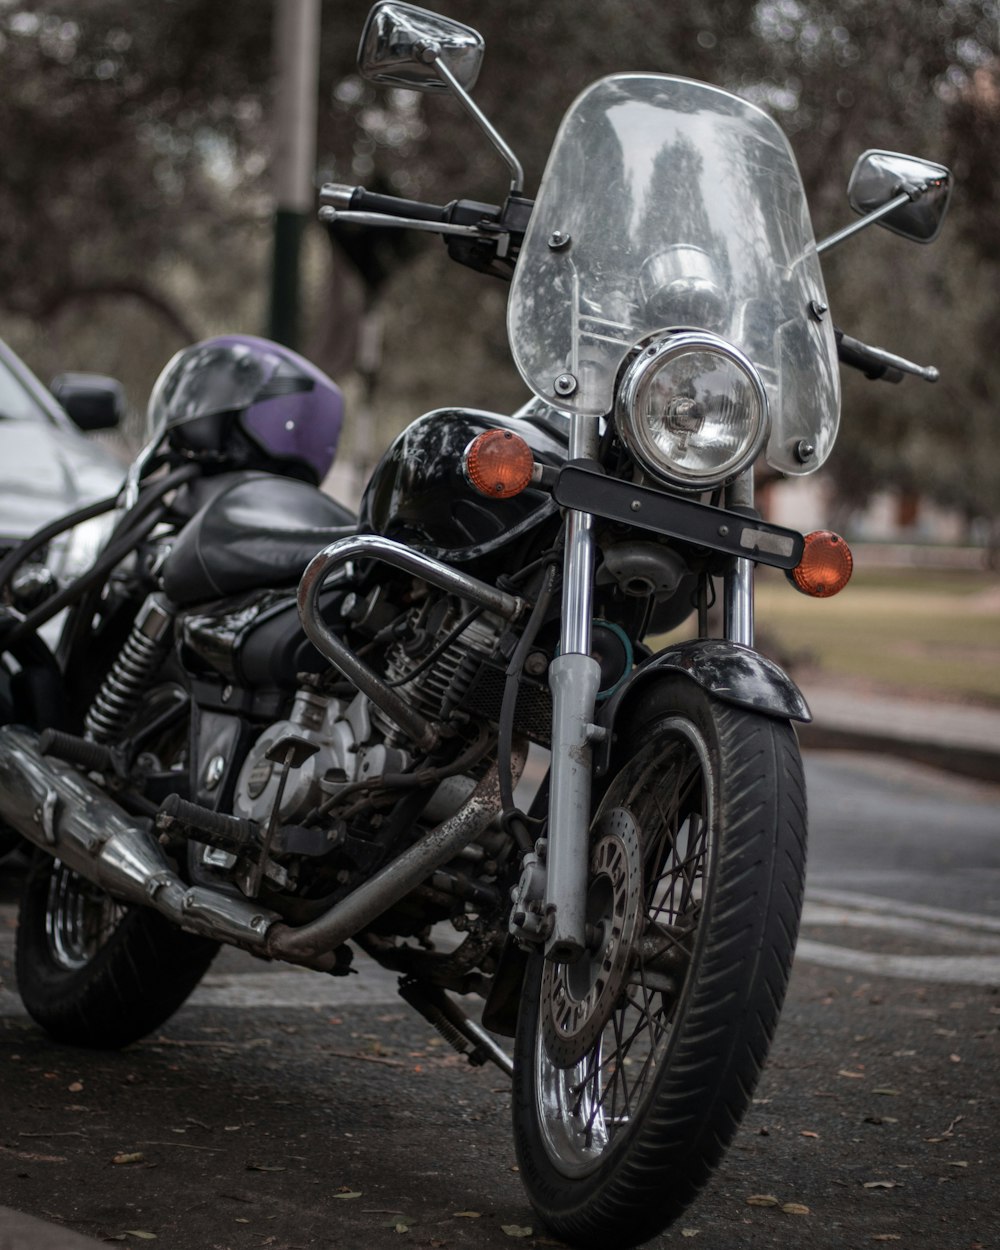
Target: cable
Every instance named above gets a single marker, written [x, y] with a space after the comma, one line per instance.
[513, 818]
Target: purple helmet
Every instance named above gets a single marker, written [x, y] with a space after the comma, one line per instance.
[245, 401]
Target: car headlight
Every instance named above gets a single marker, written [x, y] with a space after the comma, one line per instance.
[692, 409]
[72, 553]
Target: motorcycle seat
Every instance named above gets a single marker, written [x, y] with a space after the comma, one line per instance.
[257, 531]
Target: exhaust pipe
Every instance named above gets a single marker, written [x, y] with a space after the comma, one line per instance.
[58, 809]
[54, 806]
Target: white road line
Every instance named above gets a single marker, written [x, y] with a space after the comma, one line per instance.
[895, 907]
[954, 969]
[979, 936]
[938, 933]
[934, 925]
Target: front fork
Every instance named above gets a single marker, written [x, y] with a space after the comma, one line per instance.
[560, 884]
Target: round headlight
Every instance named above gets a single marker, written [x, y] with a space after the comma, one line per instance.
[692, 409]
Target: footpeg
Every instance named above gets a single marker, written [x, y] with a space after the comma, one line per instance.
[90, 756]
[227, 833]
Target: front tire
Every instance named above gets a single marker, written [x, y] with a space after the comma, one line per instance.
[634, 1067]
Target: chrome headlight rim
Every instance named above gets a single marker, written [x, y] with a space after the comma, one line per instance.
[648, 359]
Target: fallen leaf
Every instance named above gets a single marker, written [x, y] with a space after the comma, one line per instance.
[349, 1193]
[951, 1059]
[762, 1200]
[795, 1208]
[135, 1156]
[75, 1088]
[468, 1215]
[140, 1233]
[31, 1157]
[851, 1076]
[808, 1133]
[887, 1092]
[264, 1167]
[959, 1164]
[516, 1230]
[881, 1184]
[401, 1228]
[690, 1232]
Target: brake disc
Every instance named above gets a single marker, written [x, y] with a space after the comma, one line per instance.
[578, 998]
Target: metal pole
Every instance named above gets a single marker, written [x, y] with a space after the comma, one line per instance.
[296, 40]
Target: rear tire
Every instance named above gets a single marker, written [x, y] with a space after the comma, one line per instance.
[95, 972]
[634, 1067]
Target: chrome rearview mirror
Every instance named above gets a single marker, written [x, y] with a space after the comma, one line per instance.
[880, 177]
[401, 43]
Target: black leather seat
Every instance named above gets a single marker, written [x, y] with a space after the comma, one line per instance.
[257, 531]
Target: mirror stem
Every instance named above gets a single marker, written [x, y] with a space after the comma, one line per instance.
[869, 219]
[513, 164]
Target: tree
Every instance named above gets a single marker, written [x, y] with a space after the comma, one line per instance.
[134, 144]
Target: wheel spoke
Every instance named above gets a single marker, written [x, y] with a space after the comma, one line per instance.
[663, 792]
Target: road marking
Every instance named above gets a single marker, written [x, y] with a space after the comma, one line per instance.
[896, 907]
[938, 933]
[955, 969]
[978, 936]
[937, 926]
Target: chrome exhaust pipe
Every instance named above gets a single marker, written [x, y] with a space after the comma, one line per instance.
[55, 807]
[58, 809]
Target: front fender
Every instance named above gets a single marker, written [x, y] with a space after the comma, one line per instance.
[730, 672]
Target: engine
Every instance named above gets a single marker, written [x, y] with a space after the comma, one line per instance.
[432, 662]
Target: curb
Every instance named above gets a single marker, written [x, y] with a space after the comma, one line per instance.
[976, 763]
[24, 1232]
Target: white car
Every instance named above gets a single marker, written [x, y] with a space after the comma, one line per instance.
[48, 467]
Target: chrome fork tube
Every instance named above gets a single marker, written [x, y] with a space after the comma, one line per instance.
[574, 679]
[737, 595]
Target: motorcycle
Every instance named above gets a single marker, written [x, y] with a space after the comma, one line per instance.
[273, 724]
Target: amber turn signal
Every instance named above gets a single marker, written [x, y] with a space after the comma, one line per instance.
[499, 464]
[825, 567]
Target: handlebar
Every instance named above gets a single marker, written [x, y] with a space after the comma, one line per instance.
[483, 236]
[355, 205]
[357, 200]
[877, 364]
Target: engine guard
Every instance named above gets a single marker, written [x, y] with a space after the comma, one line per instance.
[732, 673]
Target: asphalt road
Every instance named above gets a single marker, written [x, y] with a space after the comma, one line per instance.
[285, 1110]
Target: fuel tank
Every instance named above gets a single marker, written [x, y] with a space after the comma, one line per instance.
[418, 493]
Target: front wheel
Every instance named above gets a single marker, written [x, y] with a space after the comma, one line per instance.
[634, 1066]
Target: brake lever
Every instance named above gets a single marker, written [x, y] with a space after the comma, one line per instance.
[329, 216]
[875, 362]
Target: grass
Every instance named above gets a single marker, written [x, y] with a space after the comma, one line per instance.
[930, 634]
[933, 634]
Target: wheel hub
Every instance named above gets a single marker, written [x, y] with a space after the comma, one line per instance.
[578, 998]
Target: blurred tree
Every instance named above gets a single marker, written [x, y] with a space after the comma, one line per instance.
[134, 154]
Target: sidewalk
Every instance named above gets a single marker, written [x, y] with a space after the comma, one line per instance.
[957, 738]
[24, 1232]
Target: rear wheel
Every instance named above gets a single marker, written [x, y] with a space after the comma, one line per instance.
[635, 1065]
[95, 972]
[90, 970]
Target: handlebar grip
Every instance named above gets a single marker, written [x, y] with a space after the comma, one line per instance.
[357, 199]
[859, 356]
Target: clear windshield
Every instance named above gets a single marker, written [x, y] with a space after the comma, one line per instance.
[683, 206]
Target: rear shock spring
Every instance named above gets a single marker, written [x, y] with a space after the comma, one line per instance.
[122, 690]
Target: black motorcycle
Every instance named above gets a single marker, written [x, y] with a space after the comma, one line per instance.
[214, 756]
